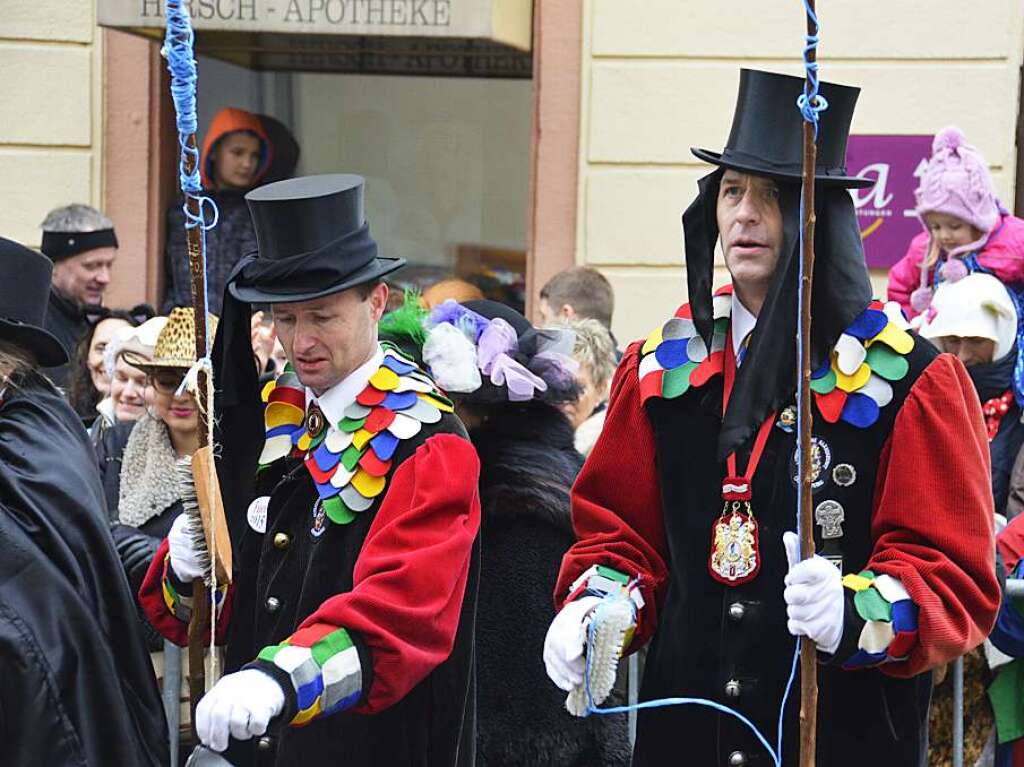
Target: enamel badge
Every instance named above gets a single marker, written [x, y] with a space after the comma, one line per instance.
[735, 555]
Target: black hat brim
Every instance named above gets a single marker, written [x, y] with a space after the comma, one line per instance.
[376, 269]
[715, 158]
[48, 351]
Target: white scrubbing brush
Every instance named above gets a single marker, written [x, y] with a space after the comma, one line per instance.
[609, 631]
[203, 512]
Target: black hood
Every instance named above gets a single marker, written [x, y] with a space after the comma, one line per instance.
[841, 291]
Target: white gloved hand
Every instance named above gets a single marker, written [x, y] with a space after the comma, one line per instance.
[814, 597]
[563, 646]
[240, 705]
[184, 557]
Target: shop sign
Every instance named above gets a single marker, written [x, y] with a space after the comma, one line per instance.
[885, 212]
[505, 21]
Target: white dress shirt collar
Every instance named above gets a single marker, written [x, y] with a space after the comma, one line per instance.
[336, 400]
[742, 324]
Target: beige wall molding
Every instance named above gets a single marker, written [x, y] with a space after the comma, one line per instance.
[138, 163]
[554, 161]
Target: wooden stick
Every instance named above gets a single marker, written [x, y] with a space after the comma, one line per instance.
[199, 625]
[808, 652]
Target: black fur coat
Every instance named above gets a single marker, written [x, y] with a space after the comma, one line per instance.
[528, 464]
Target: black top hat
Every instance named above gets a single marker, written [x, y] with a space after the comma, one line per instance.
[24, 296]
[767, 130]
[313, 241]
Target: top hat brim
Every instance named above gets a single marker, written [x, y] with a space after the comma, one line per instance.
[716, 158]
[375, 269]
[48, 351]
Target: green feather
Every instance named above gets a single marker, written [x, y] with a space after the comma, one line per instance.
[406, 323]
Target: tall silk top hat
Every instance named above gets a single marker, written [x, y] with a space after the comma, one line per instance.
[24, 296]
[767, 130]
[313, 240]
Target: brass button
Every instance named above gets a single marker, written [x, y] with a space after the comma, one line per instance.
[733, 689]
[273, 604]
[737, 759]
[736, 612]
[265, 743]
[281, 541]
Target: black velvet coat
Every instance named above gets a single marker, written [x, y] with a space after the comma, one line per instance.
[78, 687]
[528, 464]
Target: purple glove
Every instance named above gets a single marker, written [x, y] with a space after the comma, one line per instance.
[921, 299]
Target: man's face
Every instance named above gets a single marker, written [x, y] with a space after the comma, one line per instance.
[327, 338]
[84, 278]
[970, 350]
[750, 225]
[549, 315]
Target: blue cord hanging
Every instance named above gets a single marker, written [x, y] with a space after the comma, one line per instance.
[179, 45]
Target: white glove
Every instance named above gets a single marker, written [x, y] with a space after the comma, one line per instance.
[814, 597]
[184, 557]
[563, 646]
[240, 705]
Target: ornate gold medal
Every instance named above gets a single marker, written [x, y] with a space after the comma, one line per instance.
[735, 556]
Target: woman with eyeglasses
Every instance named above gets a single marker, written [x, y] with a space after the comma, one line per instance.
[137, 460]
[89, 380]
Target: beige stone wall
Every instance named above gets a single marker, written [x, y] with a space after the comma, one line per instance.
[660, 76]
[50, 92]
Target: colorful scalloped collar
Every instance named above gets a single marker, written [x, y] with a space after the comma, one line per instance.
[349, 461]
[853, 386]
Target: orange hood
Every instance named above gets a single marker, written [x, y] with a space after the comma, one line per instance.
[230, 120]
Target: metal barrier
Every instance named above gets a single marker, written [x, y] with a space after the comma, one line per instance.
[172, 696]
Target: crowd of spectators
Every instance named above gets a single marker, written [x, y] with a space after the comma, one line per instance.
[960, 285]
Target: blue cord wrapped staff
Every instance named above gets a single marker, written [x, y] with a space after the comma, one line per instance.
[197, 475]
[811, 104]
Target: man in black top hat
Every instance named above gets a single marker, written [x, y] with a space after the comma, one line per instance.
[351, 621]
[81, 243]
[78, 686]
[689, 499]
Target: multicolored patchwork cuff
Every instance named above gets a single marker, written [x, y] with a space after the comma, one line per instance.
[322, 664]
[601, 581]
[179, 604]
[890, 620]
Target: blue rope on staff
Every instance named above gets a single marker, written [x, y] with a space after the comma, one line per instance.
[811, 103]
[179, 46]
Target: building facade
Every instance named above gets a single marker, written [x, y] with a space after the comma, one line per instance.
[595, 169]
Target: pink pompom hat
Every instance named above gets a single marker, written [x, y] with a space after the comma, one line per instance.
[957, 183]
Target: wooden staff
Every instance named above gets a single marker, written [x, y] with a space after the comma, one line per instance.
[808, 652]
[199, 624]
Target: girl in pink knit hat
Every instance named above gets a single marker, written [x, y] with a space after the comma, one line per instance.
[966, 228]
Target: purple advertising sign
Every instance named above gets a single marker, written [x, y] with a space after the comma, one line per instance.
[885, 211]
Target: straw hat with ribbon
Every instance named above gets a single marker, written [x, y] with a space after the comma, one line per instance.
[175, 346]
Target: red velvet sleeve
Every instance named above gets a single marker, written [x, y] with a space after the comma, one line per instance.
[1011, 543]
[154, 603]
[933, 516]
[410, 578]
[616, 502]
